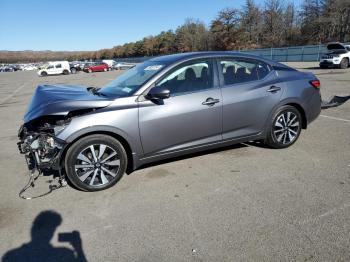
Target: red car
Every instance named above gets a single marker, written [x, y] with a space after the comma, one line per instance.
[96, 67]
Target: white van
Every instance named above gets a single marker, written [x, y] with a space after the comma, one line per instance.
[110, 63]
[54, 68]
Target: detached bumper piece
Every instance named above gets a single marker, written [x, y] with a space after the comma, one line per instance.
[334, 102]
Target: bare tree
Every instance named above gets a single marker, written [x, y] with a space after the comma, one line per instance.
[273, 23]
[251, 23]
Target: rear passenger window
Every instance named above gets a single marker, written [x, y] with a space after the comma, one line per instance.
[58, 66]
[243, 70]
[190, 77]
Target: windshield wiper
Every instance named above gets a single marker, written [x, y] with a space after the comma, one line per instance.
[94, 91]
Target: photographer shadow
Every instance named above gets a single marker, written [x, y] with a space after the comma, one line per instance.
[40, 248]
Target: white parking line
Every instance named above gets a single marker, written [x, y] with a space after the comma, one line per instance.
[336, 118]
[12, 94]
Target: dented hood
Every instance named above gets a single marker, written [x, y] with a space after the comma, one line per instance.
[61, 99]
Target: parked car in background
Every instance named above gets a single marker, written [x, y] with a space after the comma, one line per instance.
[96, 67]
[7, 68]
[123, 65]
[110, 63]
[166, 107]
[338, 56]
[29, 67]
[75, 67]
[54, 68]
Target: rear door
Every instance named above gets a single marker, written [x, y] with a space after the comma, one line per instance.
[250, 91]
[192, 116]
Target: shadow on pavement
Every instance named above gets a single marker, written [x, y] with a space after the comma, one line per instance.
[190, 155]
[40, 248]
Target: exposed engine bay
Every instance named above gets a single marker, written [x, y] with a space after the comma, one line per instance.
[42, 149]
[38, 141]
[39, 144]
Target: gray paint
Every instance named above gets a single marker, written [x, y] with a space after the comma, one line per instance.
[182, 124]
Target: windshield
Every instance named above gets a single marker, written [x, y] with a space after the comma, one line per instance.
[131, 80]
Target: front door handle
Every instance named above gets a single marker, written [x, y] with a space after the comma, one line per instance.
[210, 101]
[273, 89]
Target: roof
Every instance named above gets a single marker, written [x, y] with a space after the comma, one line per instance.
[184, 56]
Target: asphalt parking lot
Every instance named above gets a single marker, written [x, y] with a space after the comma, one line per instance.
[241, 203]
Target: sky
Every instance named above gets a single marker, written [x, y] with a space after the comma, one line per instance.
[85, 25]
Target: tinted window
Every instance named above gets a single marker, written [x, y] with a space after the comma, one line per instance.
[189, 77]
[59, 66]
[243, 70]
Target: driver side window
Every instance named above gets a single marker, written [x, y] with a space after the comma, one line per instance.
[189, 77]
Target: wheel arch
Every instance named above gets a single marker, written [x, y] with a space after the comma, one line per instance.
[125, 143]
[290, 102]
[302, 113]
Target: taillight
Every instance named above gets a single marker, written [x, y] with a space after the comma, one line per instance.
[315, 83]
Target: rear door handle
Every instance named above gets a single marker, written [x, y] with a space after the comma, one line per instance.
[210, 101]
[273, 89]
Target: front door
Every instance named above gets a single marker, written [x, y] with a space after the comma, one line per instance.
[192, 116]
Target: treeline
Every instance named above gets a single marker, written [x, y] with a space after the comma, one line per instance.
[38, 56]
[275, 23]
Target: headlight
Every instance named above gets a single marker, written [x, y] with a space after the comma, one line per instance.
[59, 129]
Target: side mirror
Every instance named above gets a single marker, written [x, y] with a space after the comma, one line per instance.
[158, 93]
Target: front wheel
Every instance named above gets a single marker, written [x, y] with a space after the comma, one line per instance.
[344, 63]
[285, 127]
[95, 162]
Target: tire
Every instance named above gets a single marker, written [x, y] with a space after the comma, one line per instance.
[73, 70]
[89, 71]
[97, 173]
[104, 69]
[65, 72]
[43, 73]
[285, 127]
[344, 63]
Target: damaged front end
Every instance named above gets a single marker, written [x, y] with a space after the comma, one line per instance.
[39, 144]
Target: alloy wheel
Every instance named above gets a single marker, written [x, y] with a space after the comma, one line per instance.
[97, 165]
[286, 127]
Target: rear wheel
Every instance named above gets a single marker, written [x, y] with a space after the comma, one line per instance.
[105, 69]
[344, 63]
[65, 72]
[95, 162]
[285, 127]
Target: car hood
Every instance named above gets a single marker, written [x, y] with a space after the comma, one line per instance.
[335, 46]
[61, 99]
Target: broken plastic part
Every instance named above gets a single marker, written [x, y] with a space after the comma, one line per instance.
[334, 102]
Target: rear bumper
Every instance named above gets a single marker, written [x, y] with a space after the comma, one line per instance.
[313, 108]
